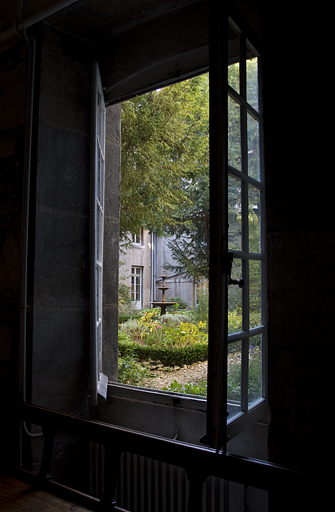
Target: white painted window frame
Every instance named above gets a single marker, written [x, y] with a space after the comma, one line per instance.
[137, 280]
[98, 381]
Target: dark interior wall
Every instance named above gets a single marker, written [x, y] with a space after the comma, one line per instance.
[300, 237]
[60, 349]
[300, 229]
[60, 250]
[13, 79]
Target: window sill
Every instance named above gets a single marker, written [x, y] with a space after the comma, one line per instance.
[168, 414]
[162, 413]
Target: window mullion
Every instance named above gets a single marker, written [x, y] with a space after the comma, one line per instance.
[218, 298]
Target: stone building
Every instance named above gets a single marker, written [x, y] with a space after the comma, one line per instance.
[142, 266]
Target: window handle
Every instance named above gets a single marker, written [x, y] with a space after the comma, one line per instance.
[239, 283]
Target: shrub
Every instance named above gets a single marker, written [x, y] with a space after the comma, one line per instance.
[181, 304]
[201, 309]
[166, 355]
[174, 319]
[189, 388]
[129, 327]
[129, 369]
[183, 334]
[148, 321]
[126, 304]
[235, 320]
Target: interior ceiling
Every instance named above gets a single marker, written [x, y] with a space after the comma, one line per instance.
[91, 20]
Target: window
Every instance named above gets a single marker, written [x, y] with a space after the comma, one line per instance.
[246, 246]
[98, 380]
[138, 238]
[237, 309]
[137, 286]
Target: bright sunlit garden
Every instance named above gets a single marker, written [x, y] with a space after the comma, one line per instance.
[169, 352]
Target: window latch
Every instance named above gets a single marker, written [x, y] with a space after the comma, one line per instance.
[239, 283]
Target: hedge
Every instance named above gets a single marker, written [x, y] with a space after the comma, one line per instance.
[168, 356]
[124, 317]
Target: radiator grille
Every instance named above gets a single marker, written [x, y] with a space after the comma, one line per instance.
[147, 485]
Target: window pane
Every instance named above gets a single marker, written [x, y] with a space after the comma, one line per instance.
[255, 293]
[253, 148]
[252, 78]
[234, 57]
[235, 300]
[234, 134]
[254, 220]
[234, 375]
[234, 214]
[255, 369]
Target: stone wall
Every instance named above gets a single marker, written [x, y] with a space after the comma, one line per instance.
[13, 76]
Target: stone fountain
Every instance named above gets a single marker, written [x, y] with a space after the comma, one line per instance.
[164, 304]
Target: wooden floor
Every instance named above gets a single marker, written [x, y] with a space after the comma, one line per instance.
[18, 496]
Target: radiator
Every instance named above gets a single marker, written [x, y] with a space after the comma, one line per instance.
[147, 485]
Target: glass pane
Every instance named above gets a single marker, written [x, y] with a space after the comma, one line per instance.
[254, 220]
[234, 214]
[252, 78]
[234, 376]
[235, 300]
[255, 293]
[233, 59]
[234, 134]
[255, 369]
[253, 147]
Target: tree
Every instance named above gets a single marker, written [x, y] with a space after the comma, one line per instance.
[189, 243]
[165, 168]
[164, 147]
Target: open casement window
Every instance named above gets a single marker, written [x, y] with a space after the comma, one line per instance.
[237, 322]
[237, 342]
[98, 380]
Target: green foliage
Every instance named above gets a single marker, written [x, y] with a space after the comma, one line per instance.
[166, 355]
[129, 370]
[235, 320]
[123, 318]
[190, 235]
[189, 388]
[254, 372]
[174, 319]
[126, 304]
[183, 335]
[181, 304]
[201, 310]
[148, 322]
[164, 144]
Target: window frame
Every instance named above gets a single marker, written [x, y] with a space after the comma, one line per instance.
[135, 276]
[218, 432]
[137, 239]
[98, 382]
[260, 406]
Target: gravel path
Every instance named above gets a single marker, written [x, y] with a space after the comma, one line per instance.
[163, 377]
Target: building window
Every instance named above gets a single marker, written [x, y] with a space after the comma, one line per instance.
[137, 285]
[137, 239]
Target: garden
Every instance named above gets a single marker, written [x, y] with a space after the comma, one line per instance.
[170, 352]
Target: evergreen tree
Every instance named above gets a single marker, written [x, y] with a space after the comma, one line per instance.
[164, 147]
